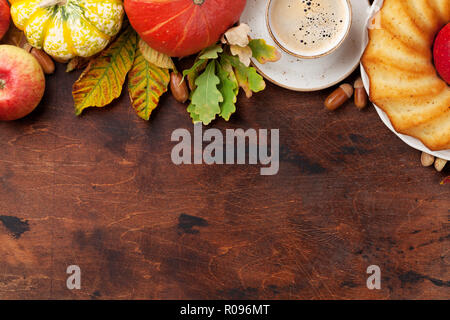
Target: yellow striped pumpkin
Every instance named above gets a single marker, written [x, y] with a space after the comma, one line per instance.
[68, 28]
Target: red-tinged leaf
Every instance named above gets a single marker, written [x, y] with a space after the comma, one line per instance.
[263, 52]
[105, 75]
[146, 84]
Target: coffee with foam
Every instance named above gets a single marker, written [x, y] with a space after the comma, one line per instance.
[309, 28]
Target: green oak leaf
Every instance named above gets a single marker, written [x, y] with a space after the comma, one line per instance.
[193, 72]
[211, 52]
[206, 98]
[229, 68]
[228, 88]
[194, 68]
[247, 77]
[263, 52]
[195, 117]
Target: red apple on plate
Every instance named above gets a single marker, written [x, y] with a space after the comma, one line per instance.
[4, 17]
[442, 53]
[22, 83]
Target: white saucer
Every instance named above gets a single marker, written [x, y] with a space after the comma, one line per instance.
[308, 74]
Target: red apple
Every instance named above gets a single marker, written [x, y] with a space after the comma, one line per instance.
[442, 53]
[4, 18]
[22, 83]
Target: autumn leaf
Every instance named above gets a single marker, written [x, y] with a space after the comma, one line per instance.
[195, 67]
[104, 77]
[146, 84]
[206, 98]
[229, 68]
[247, 77]
[228, 88]
[157, 58]
[193, 72]
[195, 117]
[200, 64]
[211, 52]
[446, 180]
[243, 53]
[214, 91]
[238, 36]
[263, 52]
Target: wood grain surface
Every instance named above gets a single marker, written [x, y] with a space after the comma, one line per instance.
[100, 191]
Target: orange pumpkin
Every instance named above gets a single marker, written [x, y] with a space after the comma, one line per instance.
[180, 28]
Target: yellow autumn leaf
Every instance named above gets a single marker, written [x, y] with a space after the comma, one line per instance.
[105, 75]
[146, 84]
[157, 58]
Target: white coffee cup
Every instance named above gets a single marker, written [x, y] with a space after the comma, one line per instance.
[324, 23]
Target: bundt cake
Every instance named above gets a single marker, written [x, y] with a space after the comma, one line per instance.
[399, 63]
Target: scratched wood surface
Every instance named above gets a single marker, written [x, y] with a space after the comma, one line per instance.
[100, 191]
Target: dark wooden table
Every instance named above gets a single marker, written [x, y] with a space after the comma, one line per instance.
[100, 191]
